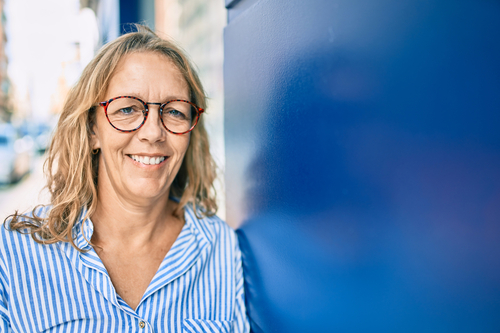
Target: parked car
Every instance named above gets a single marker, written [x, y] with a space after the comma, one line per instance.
[15, 154]
[42, 138]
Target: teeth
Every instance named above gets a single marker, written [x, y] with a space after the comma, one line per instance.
[148, 160]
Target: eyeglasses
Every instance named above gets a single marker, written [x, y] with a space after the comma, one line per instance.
[129, 113]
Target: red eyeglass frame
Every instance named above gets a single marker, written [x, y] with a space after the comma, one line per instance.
[145, 112]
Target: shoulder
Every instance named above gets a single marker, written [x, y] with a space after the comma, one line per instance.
[16, 243]
[38, 212]
[212, 228]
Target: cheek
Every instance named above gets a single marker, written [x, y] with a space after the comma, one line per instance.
[181, 144]
[99, 137]
[111, 142]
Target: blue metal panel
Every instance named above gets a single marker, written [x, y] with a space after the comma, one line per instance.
[363, 158]
[136, 11]
[238, 7]
[129, 13]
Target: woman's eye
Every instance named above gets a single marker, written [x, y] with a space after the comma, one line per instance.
[175, 113]
[128, 110]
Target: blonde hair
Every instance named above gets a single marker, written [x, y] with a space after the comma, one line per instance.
[71, 168]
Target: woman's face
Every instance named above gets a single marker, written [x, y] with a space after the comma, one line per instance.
[153, 78]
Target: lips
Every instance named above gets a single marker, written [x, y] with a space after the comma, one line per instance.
[148, 160]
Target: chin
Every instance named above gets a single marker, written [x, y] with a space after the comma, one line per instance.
[148, 189]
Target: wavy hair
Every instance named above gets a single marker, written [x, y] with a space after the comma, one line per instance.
[71, 168]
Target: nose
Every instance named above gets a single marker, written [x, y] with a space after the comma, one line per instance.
[152, 130]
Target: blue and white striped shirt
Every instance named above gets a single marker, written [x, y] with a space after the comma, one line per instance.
[55, 288]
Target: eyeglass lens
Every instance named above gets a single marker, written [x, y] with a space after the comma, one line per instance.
[128, 114]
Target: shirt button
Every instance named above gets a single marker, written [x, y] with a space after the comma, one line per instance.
[142, 324]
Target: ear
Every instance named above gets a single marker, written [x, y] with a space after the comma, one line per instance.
[94, 139]
[94, 133]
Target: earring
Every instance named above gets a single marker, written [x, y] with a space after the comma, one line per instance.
[95, 151]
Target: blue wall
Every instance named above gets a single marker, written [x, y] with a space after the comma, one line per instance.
[129, 13]
[363, 158]
[136, 11]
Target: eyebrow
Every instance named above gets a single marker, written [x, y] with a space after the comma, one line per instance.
[163, 100]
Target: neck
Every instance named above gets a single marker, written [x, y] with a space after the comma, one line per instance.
[132, 224]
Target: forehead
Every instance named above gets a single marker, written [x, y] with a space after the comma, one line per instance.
[147, 75]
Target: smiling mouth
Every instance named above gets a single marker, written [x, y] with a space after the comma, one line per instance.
[147, 160]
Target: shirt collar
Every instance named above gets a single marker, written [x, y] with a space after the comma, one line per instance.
[193, 243]
[83, 231]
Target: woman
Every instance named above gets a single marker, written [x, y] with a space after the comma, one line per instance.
[130, 241]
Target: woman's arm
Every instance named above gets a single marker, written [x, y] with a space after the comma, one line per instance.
[4, 309]
[240, 320]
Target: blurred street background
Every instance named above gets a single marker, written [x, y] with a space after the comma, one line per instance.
[45, 45]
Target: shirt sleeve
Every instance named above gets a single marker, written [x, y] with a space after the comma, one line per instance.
[240, 320]
[4, 326]
[4, 309]
[4, 319]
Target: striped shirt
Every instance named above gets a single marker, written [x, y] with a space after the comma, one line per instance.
[55, 288]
